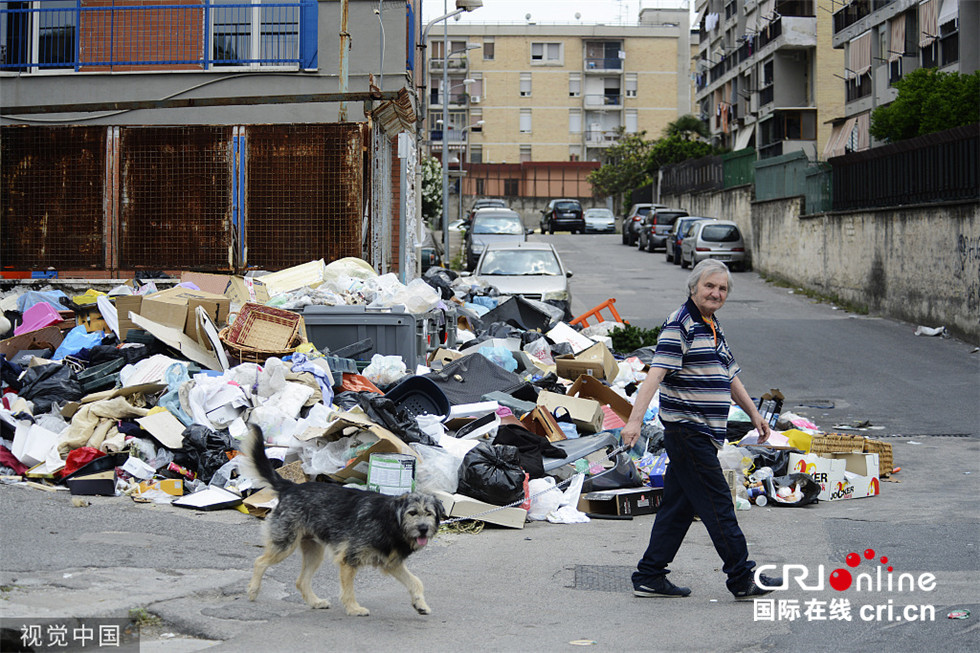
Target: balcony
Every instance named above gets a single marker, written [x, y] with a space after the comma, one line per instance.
[455, 64]
[155, 35]
[603, 100]
[601, 137]
[455, 99]
[603, 64]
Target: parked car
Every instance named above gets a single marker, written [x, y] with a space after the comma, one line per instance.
[676, 236]
[487, 203]
[563, 214]
[492, 225]
[599, 221]
[531, 270]
[717, 239]
[653, 229]
[631, 221]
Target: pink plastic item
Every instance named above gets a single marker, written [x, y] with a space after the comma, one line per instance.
[37, 317]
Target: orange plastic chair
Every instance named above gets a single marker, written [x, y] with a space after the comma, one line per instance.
[596, 313]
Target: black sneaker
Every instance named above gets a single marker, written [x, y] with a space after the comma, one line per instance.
[751, 589]
[662, 588]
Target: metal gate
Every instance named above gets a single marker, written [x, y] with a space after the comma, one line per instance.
[51, 198]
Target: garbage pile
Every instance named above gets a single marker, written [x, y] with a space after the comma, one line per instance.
[494, 403]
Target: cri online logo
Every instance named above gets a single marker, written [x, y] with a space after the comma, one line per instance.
[842, 579]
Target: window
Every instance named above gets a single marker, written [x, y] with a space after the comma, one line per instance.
[630, 84]
[481, 187]
[574, 84]
[253, 35]
[525, 121]
[476, 156]
[949, 43]
[574, 152]
[488, 48]
[476, 115]
[512, 187]
[525, 153]
[546, 53]
[631, 121]
[574, 121]
[525, 84]
[45, 39]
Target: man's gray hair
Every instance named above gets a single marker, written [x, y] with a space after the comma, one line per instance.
[704, 268]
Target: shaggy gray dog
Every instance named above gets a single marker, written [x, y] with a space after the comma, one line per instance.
[360, 528]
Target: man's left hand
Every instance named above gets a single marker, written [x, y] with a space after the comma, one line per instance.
[762, 427]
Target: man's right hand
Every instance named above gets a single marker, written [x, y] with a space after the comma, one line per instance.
[630, 434]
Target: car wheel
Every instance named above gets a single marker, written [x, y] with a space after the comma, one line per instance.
[677, 257]
[670, 259]
[683, 262]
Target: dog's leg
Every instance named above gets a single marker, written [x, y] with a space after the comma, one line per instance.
[274, 554]
[347, 573]
[312, 557]
[414, 585]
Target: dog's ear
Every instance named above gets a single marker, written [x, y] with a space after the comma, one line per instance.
[439, 509]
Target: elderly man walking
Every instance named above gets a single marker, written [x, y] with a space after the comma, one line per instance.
[697, 377]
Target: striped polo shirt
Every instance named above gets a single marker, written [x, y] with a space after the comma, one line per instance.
[697, 389]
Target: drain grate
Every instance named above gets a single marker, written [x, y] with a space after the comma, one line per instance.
[596, 578]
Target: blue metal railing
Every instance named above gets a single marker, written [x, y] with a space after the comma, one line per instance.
[183, 34]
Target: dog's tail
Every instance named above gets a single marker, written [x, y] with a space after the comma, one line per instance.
[258, 466]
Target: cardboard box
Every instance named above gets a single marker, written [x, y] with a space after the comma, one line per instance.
[246, 289]
[126, 304]
[622, 502]
[357, 469]
[101, 483]
[175, 308]
[585, 413]
[840, 475]
[215, 284]
[658, 471]
[261, 289]
[543, 423]
[588, 387]
[595, 361]
[460, 505]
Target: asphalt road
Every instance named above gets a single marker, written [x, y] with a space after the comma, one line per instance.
[553, 587]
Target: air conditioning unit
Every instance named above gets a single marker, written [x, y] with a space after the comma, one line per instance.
[475, 99]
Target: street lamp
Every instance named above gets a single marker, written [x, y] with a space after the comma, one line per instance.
[462, 135]
[461, 6]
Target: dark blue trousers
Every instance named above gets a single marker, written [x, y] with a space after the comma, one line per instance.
[694, 485]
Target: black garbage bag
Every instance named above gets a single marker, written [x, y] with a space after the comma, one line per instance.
[550, 383]
[492, 473]
[384, 412]
[735, 431]
[50, 384]
[654, 436]
[441, 279]
[623, 474]
[775, 459]
[132, 354]
[204, 451]
[10, 373]
[645, 354]
[531, 448]
[467, 379]
[561, 348]
[809, 487]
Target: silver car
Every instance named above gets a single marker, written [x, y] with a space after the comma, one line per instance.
[492, 226]
[531, 270]
[716, 239]
[676, 236]
[599, 221]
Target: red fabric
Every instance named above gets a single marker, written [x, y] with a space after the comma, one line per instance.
[358, 383]
[7, 460]
[78, 458]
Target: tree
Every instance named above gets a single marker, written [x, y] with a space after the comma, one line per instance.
[625, 166]
[686, 126]
[431, 189]
[674, 149]
[928, 101]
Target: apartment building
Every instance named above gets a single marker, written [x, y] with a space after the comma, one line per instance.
[767, 75]
[535, 92]
[883, 40]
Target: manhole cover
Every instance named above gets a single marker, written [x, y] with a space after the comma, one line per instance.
[594, 578]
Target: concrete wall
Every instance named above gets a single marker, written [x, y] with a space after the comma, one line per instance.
[919, 264]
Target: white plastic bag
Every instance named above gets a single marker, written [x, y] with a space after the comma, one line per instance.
[545, 497]
[438, 469]
[384, 370]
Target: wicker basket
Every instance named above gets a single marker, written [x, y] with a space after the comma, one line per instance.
[884, 450]
[264, 328]
[239, 353]
[837, 443]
